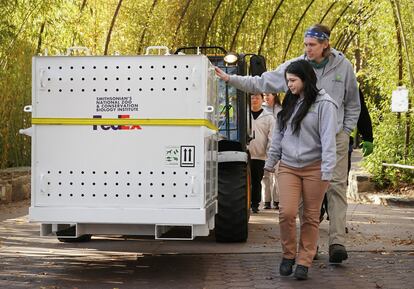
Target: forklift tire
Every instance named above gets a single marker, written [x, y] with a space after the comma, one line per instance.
[71, 231]
[231, 221]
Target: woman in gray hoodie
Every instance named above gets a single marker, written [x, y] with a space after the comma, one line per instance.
[304, 142]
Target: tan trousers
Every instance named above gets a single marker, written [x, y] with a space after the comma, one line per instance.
[336, 194]
[294, 184]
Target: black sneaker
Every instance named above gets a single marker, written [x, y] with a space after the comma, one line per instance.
[255, 210]
[286, 265]
[267, 206]
[337, 253]
[301, 272]
[276, 205]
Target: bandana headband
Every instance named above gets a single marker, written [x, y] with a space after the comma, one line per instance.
[316, 34]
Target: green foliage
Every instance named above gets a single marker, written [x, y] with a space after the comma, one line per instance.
[364, 30]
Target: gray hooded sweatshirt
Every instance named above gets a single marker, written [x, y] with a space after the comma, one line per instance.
[337, 78]
[315, 140]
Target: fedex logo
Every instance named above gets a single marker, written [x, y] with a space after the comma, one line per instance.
[116, 127]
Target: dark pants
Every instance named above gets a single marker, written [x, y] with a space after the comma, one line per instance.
[256, 168]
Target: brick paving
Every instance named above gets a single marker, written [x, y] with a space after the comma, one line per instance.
[209, 271]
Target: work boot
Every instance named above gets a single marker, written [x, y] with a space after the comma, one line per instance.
[337, 253]
[267, 206]
[301, 272]
[276, 205]
[286, 265]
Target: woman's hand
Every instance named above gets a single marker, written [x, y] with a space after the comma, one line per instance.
[220, 73]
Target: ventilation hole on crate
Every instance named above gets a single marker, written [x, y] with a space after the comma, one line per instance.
[93, 184]
[162, 196]
[175, 66]
[116, 172]
[116, 184]
[48, 183]
[71, 90]
[152, 89]
[94, 67]
[48, 90]
[151, 196]
[48, 67]
[163, 78]
[93, 195]
[94, 89]
[83, 67]
[48, 195]
[105, 184]
[163, 66]
[174, 184]
[174, 196]
[139, 173]
[128, 184]
[186, 88]
[60, 183]
[140, 78]
[128, 89]
[129, 78]
[60, 90]
[152, 78]
[61, 195]
[186, 184]
[186, 78]
[163, 89]
[174, 173]
[83, 90]
[48, 172]
[152, 66]
[139, 196]
[105, 172]
[186, 196]
[151, 172]
[140, 89]
[105, 195]
[94, 78]
[71, 183]
[82, 195]
[71, 195]
[127, 172]
[175, 78]
[60, 78]
[82, 183]
[129, 67]
[93, 172]
[83, 78]
[60, 172]
[82, 172]
[48, 79]
[128, 195]
[186, 66]
[175, 89]
[60, 67]
[117, 89]
[106, 78]
[151, 184]
[162, 184]
[140, 67]
[116, 195]
[139, 184]
[117, 78]
[162, 172]
[106, 67]
[186, 173]
[117, 67]
[71, 79]
[106, 89]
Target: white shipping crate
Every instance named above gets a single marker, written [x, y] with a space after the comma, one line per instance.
[124, 144]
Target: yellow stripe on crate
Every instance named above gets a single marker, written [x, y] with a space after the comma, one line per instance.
[124, 121]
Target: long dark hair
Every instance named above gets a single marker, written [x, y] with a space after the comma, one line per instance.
[304, 71]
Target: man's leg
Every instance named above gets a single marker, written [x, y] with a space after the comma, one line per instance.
[256, 167]
[337, 202]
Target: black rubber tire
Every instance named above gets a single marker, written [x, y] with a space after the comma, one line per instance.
[231, 221]
[70, 232]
